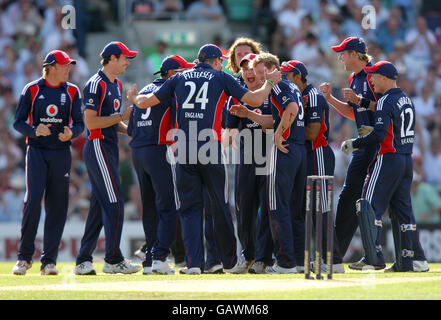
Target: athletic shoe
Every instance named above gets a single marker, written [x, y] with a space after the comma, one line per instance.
[162, 267]
[49, 270]
[300, 269]
[393, 268]
[147, 270]
[241, 266]
[276, 269]
[420, 266]
[180, 264]
[258, 267]
[362, 265]
[140, 253]
[216, 269]
[124, 267]
[85, 268]
[194, 270]
[20, 267]
[336, 267]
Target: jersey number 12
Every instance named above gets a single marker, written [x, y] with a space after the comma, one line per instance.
[409, 131]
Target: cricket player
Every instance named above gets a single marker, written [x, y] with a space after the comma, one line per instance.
[153, 160]
[390, 176]
[286, 179]
[359, 106]
[49, 116]
[104, 120]
[320, 157]
[201, 94]
[251, 200]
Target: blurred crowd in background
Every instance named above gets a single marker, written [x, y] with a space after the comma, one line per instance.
[407, 33]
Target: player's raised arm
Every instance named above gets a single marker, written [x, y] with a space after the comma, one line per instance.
[141, 100]
[257, 97]
[342, 107]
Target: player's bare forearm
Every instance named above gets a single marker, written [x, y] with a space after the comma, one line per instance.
[146, 101]
[257, 97]
[342, 107]
[288, 117]
[93, 121]
[266, 121]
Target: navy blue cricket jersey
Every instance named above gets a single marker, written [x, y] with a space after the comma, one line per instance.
[201, 94]
[150, 126]
[394, 124]
[58, 106]
[282, 95]
[105, 97]
[361, 83]
[316, 110]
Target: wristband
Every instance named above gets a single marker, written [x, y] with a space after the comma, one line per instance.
[364, 103]
[270, 82]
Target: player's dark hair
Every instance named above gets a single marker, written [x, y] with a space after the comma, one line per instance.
[209, 60]
[106, 60]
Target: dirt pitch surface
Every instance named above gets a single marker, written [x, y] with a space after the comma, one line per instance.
[367, 280]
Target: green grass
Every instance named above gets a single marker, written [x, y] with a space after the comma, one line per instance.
[349, 286]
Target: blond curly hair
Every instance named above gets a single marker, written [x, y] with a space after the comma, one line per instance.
[242, 41]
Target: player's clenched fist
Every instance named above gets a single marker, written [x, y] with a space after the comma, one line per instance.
[132, 93]
[365, 130]
[325, 89]
[350, 96]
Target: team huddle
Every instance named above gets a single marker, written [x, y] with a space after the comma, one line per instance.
[181, 125]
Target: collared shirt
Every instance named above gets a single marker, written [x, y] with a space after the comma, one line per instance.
[56, 107]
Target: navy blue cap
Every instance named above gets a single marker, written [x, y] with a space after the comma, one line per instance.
[115, 48]
[385, 68]
[351, 43]
[294, 66]
[174, 62]
[210, 51]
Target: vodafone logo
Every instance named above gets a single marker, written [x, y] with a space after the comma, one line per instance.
[52, 110]
[257, 110]
[116, 104]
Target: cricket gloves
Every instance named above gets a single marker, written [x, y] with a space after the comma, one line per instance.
[347, 147]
